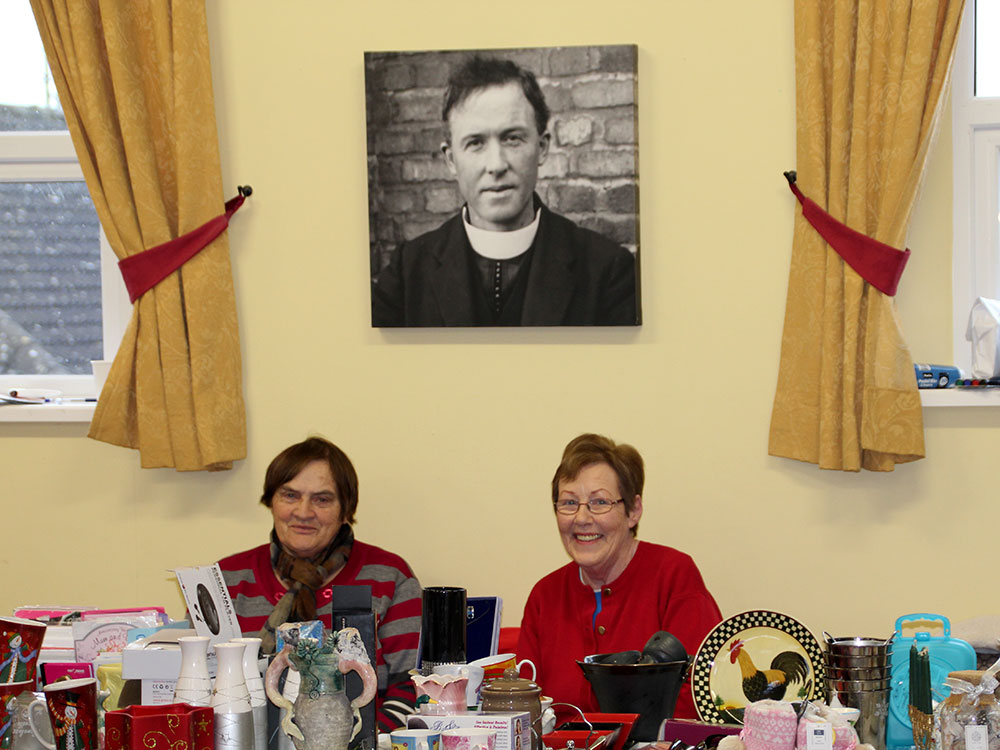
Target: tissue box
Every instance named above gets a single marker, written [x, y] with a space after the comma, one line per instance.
[509, 725]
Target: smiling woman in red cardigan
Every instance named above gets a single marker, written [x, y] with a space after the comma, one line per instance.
[617, 591]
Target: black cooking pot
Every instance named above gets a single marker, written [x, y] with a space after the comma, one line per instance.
[649, 690]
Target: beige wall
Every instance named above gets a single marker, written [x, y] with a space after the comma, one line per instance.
[456, 433]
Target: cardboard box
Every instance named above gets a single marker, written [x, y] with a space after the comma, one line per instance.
[208, 604]
[157, 692]
[510, 726]
[158, 662]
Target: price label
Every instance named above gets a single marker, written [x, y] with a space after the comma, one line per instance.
[158, 692]
[819, 736]
[976, 738]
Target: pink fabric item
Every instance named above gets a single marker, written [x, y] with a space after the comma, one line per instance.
[769, 725]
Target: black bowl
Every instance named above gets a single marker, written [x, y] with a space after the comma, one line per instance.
[649, 690]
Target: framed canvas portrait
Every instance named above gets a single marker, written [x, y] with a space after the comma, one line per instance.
[503, 187]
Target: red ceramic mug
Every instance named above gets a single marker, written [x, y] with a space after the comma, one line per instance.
[20, 642]
[71, 706]
[8, 707]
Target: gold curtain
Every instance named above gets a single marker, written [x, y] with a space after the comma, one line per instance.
[870, 78]
[134, 79]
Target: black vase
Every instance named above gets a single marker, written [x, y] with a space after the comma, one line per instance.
[442, 628]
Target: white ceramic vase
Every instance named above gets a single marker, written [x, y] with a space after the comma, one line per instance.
[234, 728]
[193, 686]
[255, 686]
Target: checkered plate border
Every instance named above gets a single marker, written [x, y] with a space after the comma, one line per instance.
[716, 640]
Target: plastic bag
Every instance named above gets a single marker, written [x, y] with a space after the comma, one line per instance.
[845, 737]
[970, 716]
[983, 332]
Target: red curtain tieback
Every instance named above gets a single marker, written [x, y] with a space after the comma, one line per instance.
[879, 264]
[145, 270]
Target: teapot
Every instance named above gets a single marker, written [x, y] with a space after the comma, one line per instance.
[321, 717]
[512, 693]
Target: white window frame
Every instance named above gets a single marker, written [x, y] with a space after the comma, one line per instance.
[976, 203]
[49, 156]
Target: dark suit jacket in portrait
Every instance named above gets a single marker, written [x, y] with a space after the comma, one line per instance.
[574, 277]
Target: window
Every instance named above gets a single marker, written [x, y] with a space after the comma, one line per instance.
[976, 154]
[62, 301]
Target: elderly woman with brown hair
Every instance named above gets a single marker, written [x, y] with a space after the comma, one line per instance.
[311, 489]
[617, 591]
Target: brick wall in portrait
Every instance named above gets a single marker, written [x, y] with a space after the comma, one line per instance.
[589, 176]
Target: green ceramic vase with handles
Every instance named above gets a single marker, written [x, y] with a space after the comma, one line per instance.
[322, 718]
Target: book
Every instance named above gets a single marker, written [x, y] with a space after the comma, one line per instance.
[482, 626]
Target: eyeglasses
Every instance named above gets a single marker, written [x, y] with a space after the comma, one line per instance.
[319, 501]
[596, 505]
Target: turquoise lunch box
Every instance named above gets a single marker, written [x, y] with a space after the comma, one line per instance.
[947, 654]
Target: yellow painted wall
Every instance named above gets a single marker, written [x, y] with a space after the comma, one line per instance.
[456, 433]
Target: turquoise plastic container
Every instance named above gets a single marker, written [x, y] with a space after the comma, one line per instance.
[947, 654]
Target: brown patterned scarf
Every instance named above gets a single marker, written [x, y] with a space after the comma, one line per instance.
[307, 577]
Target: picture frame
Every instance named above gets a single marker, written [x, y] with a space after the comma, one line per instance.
[428, 267]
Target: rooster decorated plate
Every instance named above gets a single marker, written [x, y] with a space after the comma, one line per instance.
[752, 656]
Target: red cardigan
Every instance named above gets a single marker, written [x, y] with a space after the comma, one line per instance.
[661, 589]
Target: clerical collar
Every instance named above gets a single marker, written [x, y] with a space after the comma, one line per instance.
[500, 245]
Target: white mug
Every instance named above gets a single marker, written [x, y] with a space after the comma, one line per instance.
[548, 714]
[416, 739]
[472, 672]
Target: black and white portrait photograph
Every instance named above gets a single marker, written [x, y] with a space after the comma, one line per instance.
[503, 187]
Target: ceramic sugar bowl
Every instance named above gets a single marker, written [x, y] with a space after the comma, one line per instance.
[440, 693]
[511, 693]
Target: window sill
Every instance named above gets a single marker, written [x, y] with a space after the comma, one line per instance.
[960, 397]
[74, 412]
[84, 412]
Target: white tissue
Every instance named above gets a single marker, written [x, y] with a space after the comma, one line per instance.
[984, 334]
